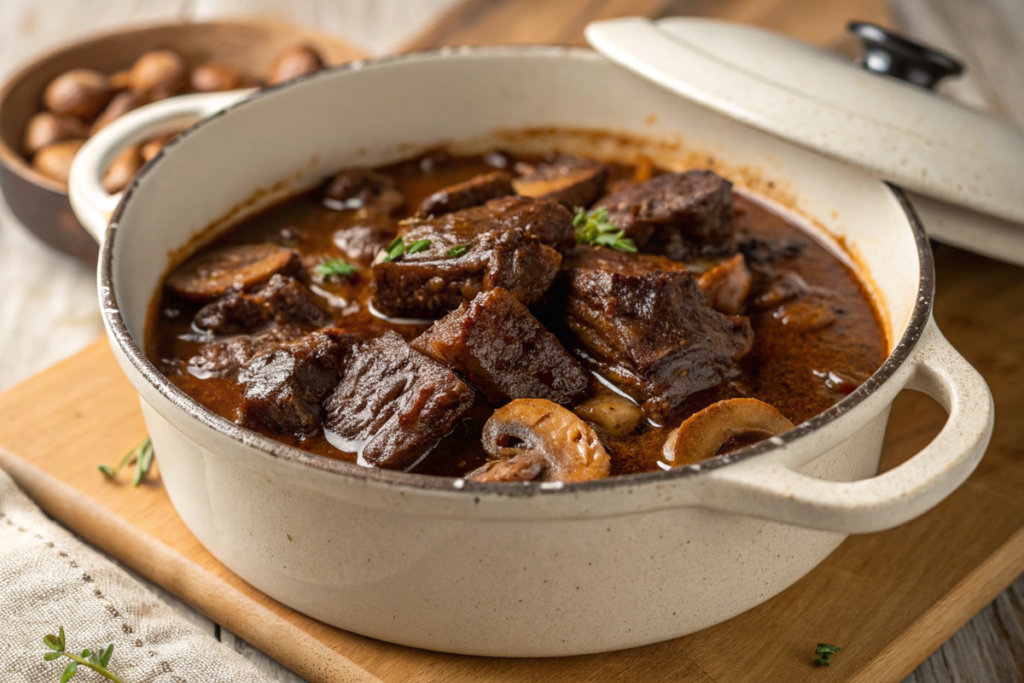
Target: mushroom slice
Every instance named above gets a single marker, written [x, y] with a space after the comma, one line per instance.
[703, 433]
[245, 266]
[537, 440]
[612, 414]
[726, 286]
[473, 192]
[572, 181]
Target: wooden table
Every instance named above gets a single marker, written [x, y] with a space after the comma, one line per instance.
[48, 306]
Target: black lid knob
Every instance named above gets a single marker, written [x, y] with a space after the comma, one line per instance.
[891, 54]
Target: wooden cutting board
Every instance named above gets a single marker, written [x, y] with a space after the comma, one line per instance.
[888, 599]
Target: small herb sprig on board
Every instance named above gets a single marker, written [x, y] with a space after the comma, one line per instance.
[96, 660]
[595, 227]
[141, 456]
[826, 651]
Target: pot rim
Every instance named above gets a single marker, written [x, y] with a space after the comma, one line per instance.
[118, 331]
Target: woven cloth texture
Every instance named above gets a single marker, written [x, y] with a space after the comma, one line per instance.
[48, 578]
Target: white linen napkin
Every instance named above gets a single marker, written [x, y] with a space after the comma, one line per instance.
[48, 578]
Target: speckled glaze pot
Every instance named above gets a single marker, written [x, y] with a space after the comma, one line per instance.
[528, 569]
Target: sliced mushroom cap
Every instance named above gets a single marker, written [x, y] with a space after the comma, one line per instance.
[609, 413]
[703, 433]
[473, 192]
[245, 266]
[537, 440]
[727, 286]
[572, 181]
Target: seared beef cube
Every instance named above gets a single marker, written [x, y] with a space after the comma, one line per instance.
[503, 351]
[361, 243]
[284, 300]
[283, 386]
[468, 194]
[225, 358]
[506, 243]
[643, 322]
[393, 403]
[363, 190]
[679, 215]
[541, 218]
[430, 283]
[569, 180]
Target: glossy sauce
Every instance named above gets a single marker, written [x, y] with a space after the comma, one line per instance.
[807, 354]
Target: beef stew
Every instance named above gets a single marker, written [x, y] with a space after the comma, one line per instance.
[507, 318]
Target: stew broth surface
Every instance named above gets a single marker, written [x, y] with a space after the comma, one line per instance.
[807, 354]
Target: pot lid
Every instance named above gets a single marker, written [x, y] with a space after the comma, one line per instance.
[897, 130]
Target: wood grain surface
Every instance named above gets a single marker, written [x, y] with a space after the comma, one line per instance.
[48, 309]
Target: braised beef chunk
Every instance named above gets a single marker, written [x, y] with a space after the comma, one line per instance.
[643, 322]
[508, 243]
[393, 403]
[284, 300]
[215, 273]
[225, 358]
[363, 190]
[678, 215]
[572, 181]
[282, 387]
[503, 351]
[361, 243]
[468, 194]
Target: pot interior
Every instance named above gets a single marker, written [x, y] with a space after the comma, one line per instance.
[290, 138]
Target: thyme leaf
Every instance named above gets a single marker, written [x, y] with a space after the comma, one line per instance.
[595, 227]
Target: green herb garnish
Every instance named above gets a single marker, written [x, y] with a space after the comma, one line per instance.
[417, 246]
[457, 250]
[96, 660]
[594, 227]
[335, 267]
[395, 249]
[826, 651]
[141, 456]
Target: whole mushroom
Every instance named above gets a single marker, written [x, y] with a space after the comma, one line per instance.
[78, 92]
[54, 160]
[551, 444]
[46, 127]
[296, 61]
[122, 170]
[216, 77]
[158, 74]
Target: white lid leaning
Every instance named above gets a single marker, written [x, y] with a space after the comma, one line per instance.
[894, 130]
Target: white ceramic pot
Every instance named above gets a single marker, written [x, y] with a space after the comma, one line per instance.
[531, 569]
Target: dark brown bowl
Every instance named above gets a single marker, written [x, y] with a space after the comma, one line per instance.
[40, 203]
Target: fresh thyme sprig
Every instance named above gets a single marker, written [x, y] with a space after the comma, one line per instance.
[335, 267]
[595, 227]
[826, 651]
[398, 248]
[96, 660]
[141, 456]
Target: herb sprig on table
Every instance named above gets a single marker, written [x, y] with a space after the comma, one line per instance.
[141, 456]
[595, 227]
[825, 651]
[96, 660]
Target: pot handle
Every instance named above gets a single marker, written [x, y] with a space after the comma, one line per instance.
[93, 205]
[762, 488]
